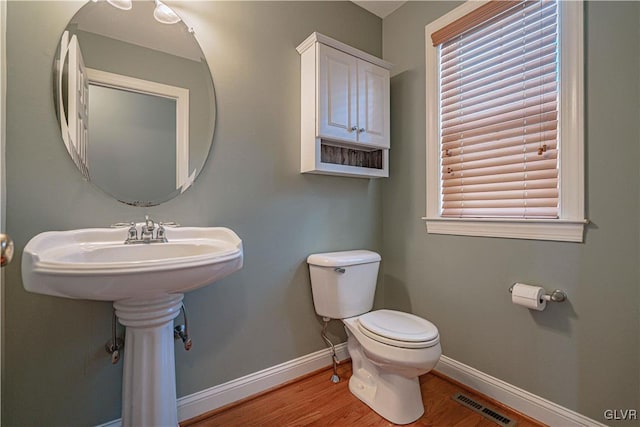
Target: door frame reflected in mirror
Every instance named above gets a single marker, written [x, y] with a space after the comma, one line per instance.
[146, 87]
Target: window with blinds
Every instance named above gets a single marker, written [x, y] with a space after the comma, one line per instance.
[498, 118]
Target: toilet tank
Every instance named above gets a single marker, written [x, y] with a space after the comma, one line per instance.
[343, 283]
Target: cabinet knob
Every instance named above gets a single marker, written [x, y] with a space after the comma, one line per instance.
[354, 128]
[361, 130]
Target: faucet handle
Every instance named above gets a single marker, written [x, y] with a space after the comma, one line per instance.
[160, 234]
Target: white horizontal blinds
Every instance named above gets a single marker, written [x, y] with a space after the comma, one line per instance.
[499, 115]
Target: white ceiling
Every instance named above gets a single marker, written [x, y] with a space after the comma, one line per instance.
[380, 8]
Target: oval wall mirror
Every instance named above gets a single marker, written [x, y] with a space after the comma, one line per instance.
[135, 101]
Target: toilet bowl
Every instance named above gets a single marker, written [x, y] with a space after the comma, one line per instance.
[389, 349]
[386, 370]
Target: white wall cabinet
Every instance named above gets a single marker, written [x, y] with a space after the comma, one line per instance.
[344, 110]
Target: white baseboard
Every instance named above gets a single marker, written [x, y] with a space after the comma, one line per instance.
[114, 423]
[527, 403]
[218, 396]
[232, 391]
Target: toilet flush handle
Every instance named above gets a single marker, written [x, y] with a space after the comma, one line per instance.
[339, 270]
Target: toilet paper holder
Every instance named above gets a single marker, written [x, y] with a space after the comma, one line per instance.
[555, 296]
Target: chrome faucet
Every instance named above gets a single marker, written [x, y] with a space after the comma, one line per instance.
[146, 234]
[146, 231]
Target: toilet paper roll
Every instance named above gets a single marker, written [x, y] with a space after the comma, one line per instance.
[528, 296]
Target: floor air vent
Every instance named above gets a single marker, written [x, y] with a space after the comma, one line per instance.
[490, 414]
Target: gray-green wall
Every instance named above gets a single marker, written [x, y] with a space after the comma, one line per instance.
[56, 370]
[583, 354]
[135, 134]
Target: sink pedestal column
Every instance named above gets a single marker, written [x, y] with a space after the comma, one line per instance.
[149, 379]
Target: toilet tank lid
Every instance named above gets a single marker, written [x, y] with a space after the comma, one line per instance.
[343, 258]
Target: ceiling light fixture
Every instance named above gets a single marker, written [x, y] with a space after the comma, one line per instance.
[164, 14]
[121, 4]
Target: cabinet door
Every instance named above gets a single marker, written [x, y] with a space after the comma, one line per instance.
[373, 104]
[337, 95]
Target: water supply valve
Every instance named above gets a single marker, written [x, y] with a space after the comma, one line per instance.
[113, 348]
[115, 345]
[182, 331]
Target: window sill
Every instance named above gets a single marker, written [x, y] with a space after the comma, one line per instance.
[550, 229]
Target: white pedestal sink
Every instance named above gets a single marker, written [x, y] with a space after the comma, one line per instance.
[146, 283]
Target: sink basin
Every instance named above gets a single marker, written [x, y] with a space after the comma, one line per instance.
[95, 263]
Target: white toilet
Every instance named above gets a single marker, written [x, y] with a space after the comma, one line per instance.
[389, 349]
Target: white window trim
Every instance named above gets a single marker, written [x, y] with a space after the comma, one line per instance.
[569, 226]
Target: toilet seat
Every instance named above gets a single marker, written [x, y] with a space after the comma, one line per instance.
[398, 329]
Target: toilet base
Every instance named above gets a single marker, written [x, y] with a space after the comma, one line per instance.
[393, 396]
[389, 396]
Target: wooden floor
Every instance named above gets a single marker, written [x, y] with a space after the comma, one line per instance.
[315, 401]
